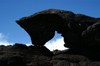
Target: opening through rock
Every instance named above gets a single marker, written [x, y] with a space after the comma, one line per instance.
[56, 43]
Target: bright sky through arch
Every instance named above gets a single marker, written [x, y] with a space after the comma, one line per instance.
[11, 10]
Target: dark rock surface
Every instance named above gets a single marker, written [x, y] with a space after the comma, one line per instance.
[22, 55]
[81, 35]
[78, 30]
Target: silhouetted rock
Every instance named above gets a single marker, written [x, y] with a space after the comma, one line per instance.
[39, 28]
[20, 45]
[75, 28]
[80, 32]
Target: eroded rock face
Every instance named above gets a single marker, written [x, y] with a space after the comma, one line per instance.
[78, 30]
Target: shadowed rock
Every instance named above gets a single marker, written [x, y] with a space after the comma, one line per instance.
[17, 56]
[79, 31]
[41, 28]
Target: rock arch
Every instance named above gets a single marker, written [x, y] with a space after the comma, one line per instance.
[78, 30]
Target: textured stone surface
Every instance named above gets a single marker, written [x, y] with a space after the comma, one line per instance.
[22, 55]
[81, 35]
[78, 30]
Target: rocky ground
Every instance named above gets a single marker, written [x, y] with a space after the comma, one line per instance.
[22, 55]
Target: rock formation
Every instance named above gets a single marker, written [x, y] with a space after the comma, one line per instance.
[78, 30]
[22, 55]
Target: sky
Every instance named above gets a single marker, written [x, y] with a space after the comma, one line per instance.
[11, 10]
